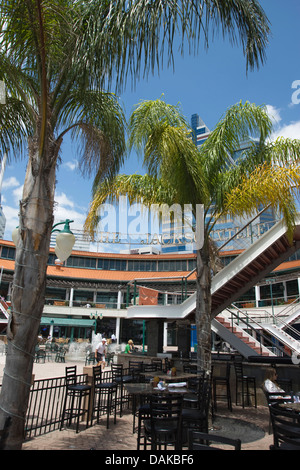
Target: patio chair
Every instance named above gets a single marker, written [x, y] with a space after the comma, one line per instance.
[105, 395]
[286, 427]
[204, 441]
[163, 428]
[148, 368]
[40, 356]
[196, 416]
[246, 384]
[221, 388]
[158, 362]
[75, 393]
[121, 376]
[90, 358]
[135, 368]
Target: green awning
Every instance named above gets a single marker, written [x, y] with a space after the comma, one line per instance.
[81, 322]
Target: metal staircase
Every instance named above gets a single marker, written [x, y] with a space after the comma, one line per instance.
[252, 265]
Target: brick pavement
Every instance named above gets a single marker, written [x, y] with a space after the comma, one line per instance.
[120, 437]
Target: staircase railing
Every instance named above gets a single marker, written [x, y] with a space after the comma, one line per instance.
[242, 317]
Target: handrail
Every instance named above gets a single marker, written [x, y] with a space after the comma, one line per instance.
[246, 322]
[243, 228]
[288, 307]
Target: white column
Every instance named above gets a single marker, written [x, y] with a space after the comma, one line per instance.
[118, 330]
[257, 296]
[51, 330]
[165, 340]
[71, 297]
[120, 299]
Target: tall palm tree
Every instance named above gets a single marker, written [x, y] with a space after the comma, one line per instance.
[57, 58]
[179, 172]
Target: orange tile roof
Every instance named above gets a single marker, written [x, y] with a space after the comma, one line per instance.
[112, 275]
[99, 274]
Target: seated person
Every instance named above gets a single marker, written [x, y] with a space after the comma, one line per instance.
[270, 385]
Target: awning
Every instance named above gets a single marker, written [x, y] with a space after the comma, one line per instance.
[81, 322]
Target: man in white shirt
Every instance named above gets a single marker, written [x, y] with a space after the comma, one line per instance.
[100, 352]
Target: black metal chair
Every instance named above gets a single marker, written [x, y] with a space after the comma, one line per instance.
[90, 358]
[77, 394]
[195, 415]
[158, 362]
[286, 427]
[221, 387]
[148, 368]
[163, 428]
[40, 356]
[60, 355]
[105, 395]
[204, 441]
[135, 368]
[121, 376]
[246, 384]
[194, 385]
[275, 397]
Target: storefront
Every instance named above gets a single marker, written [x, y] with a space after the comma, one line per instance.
[71, 328]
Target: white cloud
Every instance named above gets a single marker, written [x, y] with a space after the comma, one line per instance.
[274, 114]
[17, 194]
[10, 183]
[291, 131]
[62, 200]
[12, 220]
[72, 165]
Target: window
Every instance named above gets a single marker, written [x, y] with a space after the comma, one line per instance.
[8, 253]
[81, 262]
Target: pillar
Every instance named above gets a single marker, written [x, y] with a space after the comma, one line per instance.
[155, 333]
[257, 296]
[71, 297]
[117, 333]
[120, 299]
[184, 337]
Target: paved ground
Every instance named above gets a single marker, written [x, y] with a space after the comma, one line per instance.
[249, 424]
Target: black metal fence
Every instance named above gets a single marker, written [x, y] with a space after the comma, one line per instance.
[46, 400]
[45, 405]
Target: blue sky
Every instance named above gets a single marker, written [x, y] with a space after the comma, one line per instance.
[206, 84]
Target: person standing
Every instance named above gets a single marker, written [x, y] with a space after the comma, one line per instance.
[100, 352]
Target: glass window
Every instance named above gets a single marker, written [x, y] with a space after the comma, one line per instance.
[8, 253]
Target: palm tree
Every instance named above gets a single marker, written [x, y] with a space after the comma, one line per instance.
[179, 172]
[58, 58]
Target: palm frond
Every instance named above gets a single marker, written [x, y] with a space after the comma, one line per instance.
[15, 127]
[277, 186]
[97, 122]
[138, 188]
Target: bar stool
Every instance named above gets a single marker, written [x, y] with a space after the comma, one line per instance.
[76, 392]
[120, 376]
[244, 381]
[105, 395]
[222, 381]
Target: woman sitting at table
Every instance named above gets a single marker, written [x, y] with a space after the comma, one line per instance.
[129, 348]
[270, 385]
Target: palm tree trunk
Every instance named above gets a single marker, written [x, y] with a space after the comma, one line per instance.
[28, 293]
[203, 310]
